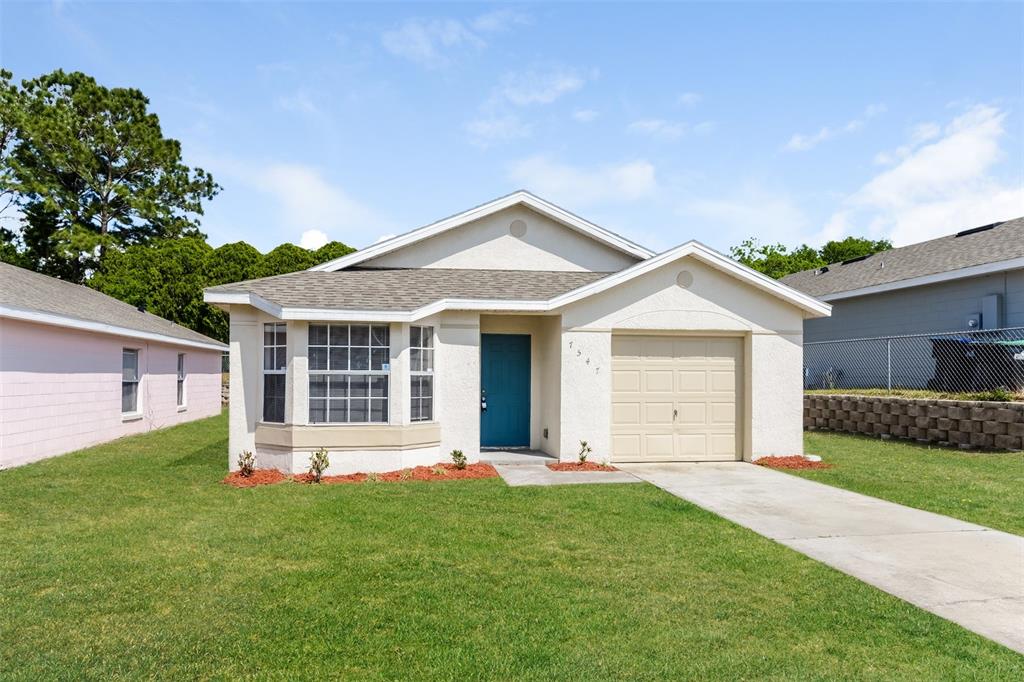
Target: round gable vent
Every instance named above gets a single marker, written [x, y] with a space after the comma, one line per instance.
[517, 228]
[685, 279]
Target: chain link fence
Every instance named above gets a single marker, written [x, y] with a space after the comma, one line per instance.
[952, 362]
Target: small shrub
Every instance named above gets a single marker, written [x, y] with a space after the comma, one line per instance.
[458, 459]
[373, 477]
[406, 474]
[584, 451]
[439, 471]
[318, 463]
[1000, 394]
[246, 464]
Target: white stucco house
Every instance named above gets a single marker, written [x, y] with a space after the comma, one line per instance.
[515, 324]
[78, 368]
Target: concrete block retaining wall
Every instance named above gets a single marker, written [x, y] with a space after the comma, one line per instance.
[966, 423]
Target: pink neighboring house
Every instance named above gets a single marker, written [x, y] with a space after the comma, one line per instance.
[79, 368]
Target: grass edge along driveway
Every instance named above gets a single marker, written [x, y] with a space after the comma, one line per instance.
[130, 560]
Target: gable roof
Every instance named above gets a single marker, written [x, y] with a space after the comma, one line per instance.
[411, 294]
[34, 297]
[978, 251]
[520, 197]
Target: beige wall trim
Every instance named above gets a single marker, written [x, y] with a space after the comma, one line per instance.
[348, 437]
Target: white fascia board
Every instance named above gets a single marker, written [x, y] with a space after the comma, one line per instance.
[707, 255]
[949, 275]
[55, 320]
[243, 298]
[521, 197]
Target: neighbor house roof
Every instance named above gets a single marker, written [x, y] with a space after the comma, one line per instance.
[34, 297]
[520, 197]
[410, 294]
[969, 253]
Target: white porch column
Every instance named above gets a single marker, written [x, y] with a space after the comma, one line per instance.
[246, 368]
[457, 383]
[296, 405]
[398, 385]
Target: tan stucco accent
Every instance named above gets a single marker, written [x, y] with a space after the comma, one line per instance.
[348, 437]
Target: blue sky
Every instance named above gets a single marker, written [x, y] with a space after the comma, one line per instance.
[663, 122]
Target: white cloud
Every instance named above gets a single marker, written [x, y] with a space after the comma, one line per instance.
[537, 85]
[485, 132]
[689, 99]
[577, 185]
[584, 115]
[432, 42]
[313, 239]
[299, 101]
[656, 127]
[935, 188]
[802, 142]
[919, 134]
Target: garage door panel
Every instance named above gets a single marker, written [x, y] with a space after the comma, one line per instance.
[676, 398]
[626, 414]
[723, 414]
[691, 381]
[626, 380]
[657, 414]
[657, 381]
[691, 414]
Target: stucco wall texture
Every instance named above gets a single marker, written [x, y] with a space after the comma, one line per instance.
[60, 389]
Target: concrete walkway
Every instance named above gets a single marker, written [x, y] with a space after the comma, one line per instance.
[539, 474]
[969, 574]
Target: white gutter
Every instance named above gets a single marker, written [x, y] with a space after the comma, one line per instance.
[102, 328]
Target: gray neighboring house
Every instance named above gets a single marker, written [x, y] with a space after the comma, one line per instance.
[973, 279]
[969, 281]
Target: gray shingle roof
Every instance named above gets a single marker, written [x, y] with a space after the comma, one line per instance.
[407, 289]
[1002, 242]
[27, 290]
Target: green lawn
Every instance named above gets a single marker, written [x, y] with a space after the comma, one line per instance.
[981, 487]
[130, 560]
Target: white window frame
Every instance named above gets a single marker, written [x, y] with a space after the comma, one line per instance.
[331, 356]
[182, 398]
[136, 381]
[274, 364]
[421, 366]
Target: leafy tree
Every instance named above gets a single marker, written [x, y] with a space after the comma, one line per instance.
[165, 277]
[330, 251]
[775, 260]
[233, 263]
[852, 247]
[285, 258]
[93, 170]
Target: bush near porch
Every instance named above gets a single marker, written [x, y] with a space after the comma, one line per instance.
[132, 560]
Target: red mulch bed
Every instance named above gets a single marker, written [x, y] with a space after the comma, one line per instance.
[259, 477]
[422, 473]
[791, 462]
[580, 466]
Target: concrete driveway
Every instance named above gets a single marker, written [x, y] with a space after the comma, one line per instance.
[965, 573]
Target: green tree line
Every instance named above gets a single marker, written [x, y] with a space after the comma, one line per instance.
[777, 260]
[91, 191]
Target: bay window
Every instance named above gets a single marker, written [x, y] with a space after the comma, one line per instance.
[349, 371]
[275, 367]
[421, 370]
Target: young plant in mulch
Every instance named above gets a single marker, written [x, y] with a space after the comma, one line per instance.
[318, 463]
[585, 450]
[581, 463]
[246, 464]
[458, 459]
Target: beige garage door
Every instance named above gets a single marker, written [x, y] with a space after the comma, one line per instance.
[676, 398]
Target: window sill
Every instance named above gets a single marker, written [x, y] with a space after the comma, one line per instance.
[131, 416]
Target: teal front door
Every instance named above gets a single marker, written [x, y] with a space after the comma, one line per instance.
[504, 390]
